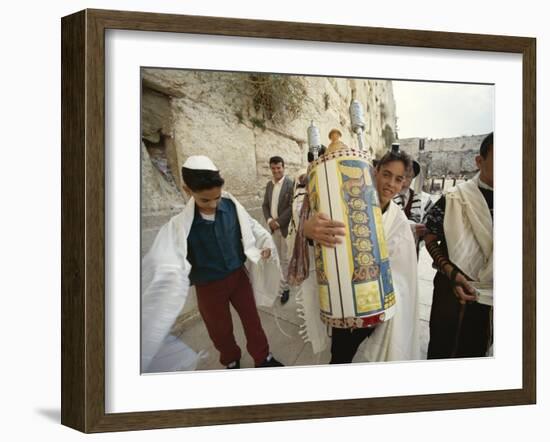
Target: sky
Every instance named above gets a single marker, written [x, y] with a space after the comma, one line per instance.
[443, 110]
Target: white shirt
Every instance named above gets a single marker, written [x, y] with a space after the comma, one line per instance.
[484, 185]
[275, 198]
[208, 216]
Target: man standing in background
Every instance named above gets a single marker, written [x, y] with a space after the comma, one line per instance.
[277, 208]
[410, 202]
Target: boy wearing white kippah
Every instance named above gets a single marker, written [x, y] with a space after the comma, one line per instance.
[217, 247]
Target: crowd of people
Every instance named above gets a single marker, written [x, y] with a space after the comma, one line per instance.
[215, 249]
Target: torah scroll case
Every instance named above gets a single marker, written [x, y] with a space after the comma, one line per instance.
[354, 278]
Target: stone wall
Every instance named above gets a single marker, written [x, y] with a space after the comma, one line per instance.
[445, 156]
[211, 113]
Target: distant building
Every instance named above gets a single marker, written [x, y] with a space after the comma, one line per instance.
[451, 157]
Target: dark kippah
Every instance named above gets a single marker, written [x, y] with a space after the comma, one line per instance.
[416, 167]
[486, 144]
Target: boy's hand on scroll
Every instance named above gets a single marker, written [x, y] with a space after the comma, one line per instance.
[321, 229]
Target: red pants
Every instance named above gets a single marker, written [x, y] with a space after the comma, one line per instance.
[213, 301]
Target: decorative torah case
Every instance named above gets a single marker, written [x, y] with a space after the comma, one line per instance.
[355, 282]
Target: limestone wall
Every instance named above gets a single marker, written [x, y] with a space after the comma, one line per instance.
[190, 112]
[445, 156]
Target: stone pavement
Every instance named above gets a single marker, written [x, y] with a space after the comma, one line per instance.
[281, 324]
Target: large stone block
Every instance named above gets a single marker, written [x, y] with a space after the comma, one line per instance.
[156, 115]
[157, 193]
[230, 145]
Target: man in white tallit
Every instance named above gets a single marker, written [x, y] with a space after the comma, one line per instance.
[460, 241]
[212, 254]
[398, 338]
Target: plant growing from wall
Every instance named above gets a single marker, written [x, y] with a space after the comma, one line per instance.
[383, 114]
[239, 115]
[326, 99]
[258, 122]
[388, 136]
[279, 98]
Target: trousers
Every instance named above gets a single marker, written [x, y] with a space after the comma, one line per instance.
[451, 336]
[345, 342]
[282, 251]
[213, 300]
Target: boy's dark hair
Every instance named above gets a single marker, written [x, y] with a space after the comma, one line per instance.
[486, 145]
[392, 155]
[198, 180]
[276, 160]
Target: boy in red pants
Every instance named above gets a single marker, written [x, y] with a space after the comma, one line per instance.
[228, 257]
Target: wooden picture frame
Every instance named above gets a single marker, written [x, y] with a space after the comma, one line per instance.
[83, 219]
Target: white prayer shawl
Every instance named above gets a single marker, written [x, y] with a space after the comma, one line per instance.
[468, 227]
[165, 280]
[396, 339]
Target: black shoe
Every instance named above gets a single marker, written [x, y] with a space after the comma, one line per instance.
[270, 361]
[284, 296]
[234, 364]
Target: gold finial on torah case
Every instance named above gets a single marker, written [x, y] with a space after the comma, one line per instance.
[355, 282]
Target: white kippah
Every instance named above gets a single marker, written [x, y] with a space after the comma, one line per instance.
[199, 162]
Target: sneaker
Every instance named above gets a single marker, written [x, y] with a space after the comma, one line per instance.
[234, 364]
[284, 296]
[270, 361]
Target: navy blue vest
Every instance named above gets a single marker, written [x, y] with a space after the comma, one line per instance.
[214, 247]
